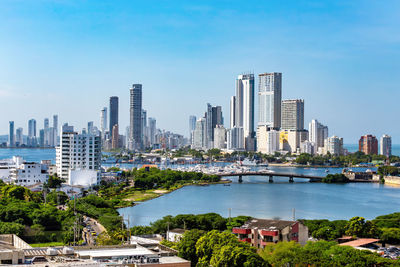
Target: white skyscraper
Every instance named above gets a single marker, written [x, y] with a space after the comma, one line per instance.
[333, 145]
[244, 109]
[270, 97]
[232, 112]
[317, 134]
[103, 122]
[235, 139]
[200, 135]
[386, 145]
[220, 137]
[78, 156]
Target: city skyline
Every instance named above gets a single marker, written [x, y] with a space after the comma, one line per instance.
[328, 66]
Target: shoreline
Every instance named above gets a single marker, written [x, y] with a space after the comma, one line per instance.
[162, 192]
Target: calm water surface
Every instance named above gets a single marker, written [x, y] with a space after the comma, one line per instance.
[258, 198]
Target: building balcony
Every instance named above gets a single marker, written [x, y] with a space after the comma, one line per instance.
[248, 240]
[269, 233]
[241, 231]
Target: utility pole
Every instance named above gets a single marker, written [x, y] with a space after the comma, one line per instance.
[294, 214]
[167, 231]
[122, 227]
[230, 209]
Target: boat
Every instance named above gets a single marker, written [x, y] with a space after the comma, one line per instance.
[252, 163]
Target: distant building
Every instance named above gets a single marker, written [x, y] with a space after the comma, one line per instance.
[267, 140]
[90, 127]
[220, 137]
[244, 110]
[115, 137]
[259, 232]
[192, 126]
[103, 122]
[78, 152]
[19, 139]
[55, 127]
[317, 134]
[235, 139]
[113, 112]
[11, 136]
[136, 132]
[368, 144]
[386, 145]
[293, 114]
[307, 147]
[29, 173]
[199, 135]
[269, 99]
[32, 140]
[334, 146]
[290, 140]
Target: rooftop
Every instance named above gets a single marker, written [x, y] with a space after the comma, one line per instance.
[267, 224]
[360, 242]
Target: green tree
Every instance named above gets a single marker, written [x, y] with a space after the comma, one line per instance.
[54, 181]
[357, 226]
[187, 245]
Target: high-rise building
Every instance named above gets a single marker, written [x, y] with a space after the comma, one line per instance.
[233, 112]
[244, 109]
[219, 137]
[115, 137]
[267, 140]
[192, 126]
[368, 144]
[113, 112]
[235, 139]
[78, 157]
[200, 134]
[334, 146]
[11, 136]
[213, 118]
[152, 130]
[55, 126]
[386, 145]
[292, 114]
[145, 137]
[19, 139]
[317, 134]
[136, 116]
[269, 99]
[103, 122]
[32, 141]
[46, 132]
[41, 138]
[90, 126]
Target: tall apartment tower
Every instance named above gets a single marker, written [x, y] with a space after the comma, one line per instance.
[213, 118]
[19, 140]
[317, 134]
[269, 99]
[11, 136]
[368, 144]
[80, 152]
[292, 114]
[32, 133]
[152, 130]
[232, 112]
[192, 126]
[46, 132]
[103, 122]
[386, 145]
[136, 116]
[244, 109]
[113, 112]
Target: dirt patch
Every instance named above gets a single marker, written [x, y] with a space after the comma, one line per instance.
[160, 191]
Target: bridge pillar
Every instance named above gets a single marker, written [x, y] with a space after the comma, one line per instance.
[271, 179]
[240, 179]
[291, 179]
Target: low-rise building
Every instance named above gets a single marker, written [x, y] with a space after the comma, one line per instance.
[261, 232]
[29, 173]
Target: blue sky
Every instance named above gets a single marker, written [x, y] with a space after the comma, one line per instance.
[67, 57]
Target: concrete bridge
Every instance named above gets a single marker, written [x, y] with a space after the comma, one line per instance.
[291, 176]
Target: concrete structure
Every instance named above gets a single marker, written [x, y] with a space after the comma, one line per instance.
[290, 140]
[103, 122]
[317, 134]
[244, 109]
[334, 146]
[235, 139]
[368, 144]
[386, 145]
[32, 141]
[292, 114]
[28, 173]
[232, 121]
[192, 126]
[19, 138]
[12, 249]
[136, 131]
[11, 136]
[113, 112]
[267, 140]
[219, 137]
[199, 135]
[84, 178]
[259, 232]
[270, 97]
[77, 152]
